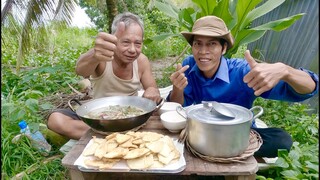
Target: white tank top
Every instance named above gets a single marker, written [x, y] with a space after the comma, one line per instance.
[108, 84]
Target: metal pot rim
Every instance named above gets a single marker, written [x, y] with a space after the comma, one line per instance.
[117, 125]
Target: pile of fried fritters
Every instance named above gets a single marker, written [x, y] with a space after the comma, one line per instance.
[140, 150]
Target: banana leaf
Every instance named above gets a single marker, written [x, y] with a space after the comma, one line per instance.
[280, 24]
[260, 11]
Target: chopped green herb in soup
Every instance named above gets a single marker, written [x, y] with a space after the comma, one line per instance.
[115, 112]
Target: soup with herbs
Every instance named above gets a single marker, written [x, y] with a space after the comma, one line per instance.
[115, 112]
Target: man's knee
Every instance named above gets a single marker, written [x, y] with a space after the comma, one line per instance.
[273, 140]
[285, 141]
[52, 121]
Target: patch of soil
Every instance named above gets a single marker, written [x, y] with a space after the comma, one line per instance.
[158, 66]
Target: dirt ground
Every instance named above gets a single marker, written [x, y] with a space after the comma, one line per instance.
[159, 64]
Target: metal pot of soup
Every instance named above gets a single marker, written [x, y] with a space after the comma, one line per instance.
[223, 131]
[116, 113]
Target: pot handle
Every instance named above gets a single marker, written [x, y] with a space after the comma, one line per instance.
[183, 134]
[160, 104]
[181, 111]
[259, 113]
[75, 100]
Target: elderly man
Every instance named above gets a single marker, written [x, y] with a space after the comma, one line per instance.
[115, 66]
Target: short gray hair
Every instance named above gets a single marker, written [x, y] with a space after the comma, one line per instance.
[128, 18]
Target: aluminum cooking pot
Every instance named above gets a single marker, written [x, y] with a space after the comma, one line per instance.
[213, 134]
[103, 126]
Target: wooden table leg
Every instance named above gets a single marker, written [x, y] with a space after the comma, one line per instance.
[75, 175]
[250, 177]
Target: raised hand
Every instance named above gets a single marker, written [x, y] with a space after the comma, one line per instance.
[105, 44]
[178, 78]
[263, 76]
[153, 94]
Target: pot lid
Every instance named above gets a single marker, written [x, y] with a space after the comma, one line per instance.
[201, 112]
[219, 108]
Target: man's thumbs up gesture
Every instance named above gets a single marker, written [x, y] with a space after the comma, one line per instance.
[105, 44]
[263, 76]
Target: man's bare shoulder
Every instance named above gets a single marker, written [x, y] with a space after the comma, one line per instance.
[143, 60]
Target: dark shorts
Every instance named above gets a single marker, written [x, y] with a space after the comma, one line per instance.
[273, 139]
[67, 112]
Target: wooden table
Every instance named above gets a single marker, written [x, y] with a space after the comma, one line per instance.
[196, 168]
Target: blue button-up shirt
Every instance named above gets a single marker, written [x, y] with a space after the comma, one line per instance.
[227, 85]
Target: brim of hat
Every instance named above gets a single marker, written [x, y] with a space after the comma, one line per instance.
[188, 36]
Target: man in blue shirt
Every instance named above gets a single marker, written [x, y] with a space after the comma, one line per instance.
[208, 76]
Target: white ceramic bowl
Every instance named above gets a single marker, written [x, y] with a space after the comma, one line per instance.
[173, 121]
[168, 106]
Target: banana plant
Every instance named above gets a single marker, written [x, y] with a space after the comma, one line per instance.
[237, 14]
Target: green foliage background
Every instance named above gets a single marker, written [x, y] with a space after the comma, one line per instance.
[49, 68]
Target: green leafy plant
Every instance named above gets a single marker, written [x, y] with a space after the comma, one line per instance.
[157, 23]
[299, 163]
[238, 16]
[298, 120]
[19, 161]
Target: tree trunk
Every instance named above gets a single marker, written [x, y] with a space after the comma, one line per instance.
[112, 11]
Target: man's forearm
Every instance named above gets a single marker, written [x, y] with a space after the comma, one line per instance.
[300, 81]
[177, 96]
[86, 64]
